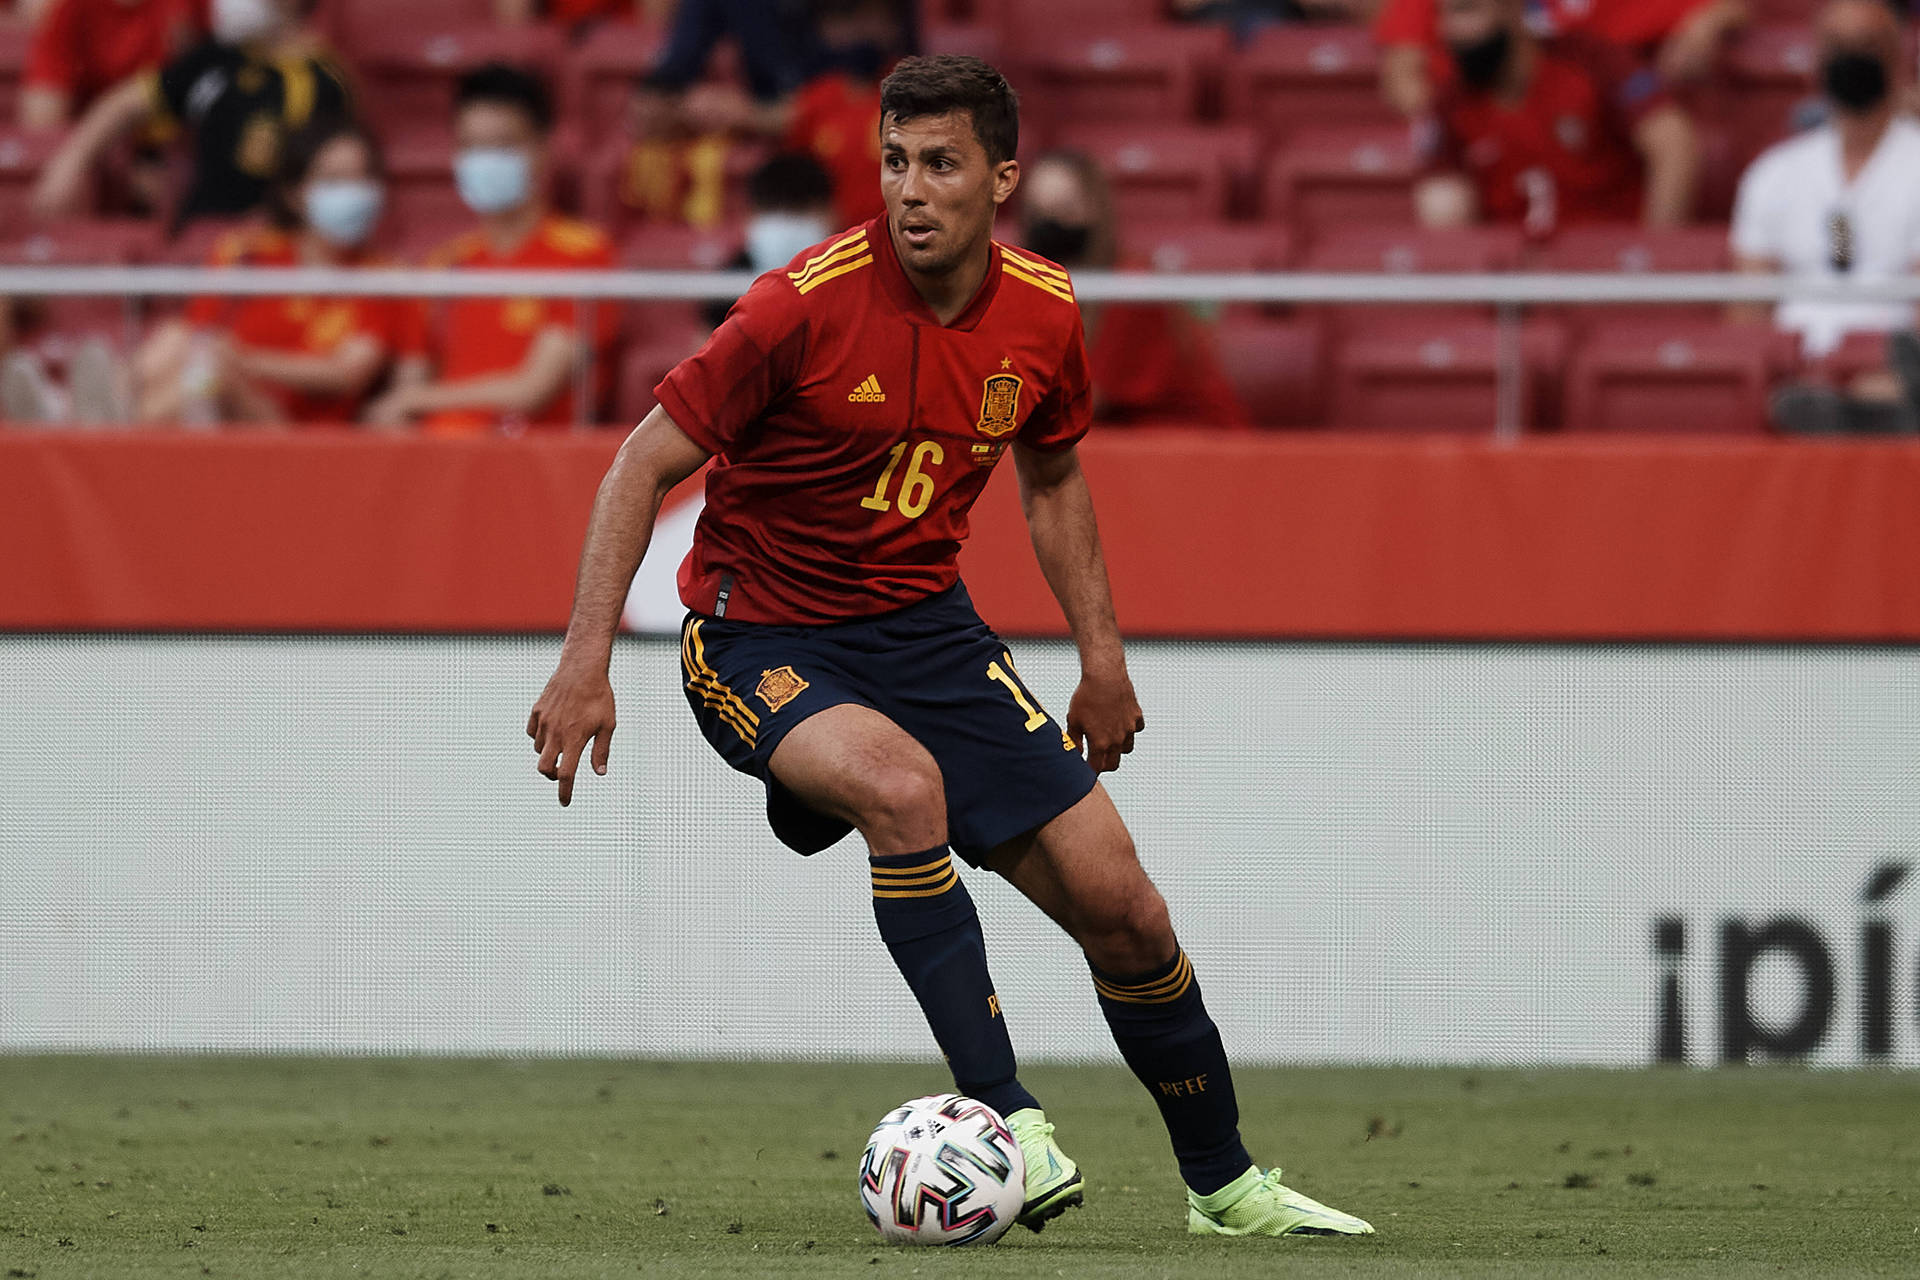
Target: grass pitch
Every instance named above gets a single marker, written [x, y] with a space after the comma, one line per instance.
[290, 1167]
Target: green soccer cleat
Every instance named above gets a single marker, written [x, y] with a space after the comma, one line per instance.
[1256, 1204]
[1054, 1184]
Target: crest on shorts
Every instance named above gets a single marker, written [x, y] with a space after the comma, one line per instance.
[778, 687]
[999, 403]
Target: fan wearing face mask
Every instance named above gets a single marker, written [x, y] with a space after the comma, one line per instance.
[1545, 133]
[259, 77]
[286, 359]
[1842, 201]
[1148, 362]
[492, 364]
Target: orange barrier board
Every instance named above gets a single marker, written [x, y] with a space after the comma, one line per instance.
[1242, 535]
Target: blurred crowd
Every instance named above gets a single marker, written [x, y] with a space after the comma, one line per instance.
[1771, 136]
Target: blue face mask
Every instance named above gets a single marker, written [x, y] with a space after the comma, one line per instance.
[493, 179]
[344, 212]
[774, 238]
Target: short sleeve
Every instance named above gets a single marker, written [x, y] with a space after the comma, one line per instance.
[176, 77]
[53, 57]
[752, 360]
[1755, 229]
[1062, 418]
[1406, 22]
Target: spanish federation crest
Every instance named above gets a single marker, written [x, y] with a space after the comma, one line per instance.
[779, 687]
[999, 405]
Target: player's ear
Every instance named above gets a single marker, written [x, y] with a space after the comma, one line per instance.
[1006, 177]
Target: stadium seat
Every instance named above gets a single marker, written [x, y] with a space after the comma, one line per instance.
[1769, 79]
[600, 74]
[1632, 250]
[1408, 250]
[1675, 378]
[409, 71]
[1207, 246]
[974, 39]
[650, 358]
[1031, 24]
[668, 248]
[1291, 76]
[82, 242]
[423, 206]
[1339, 176]
[1444, 381]
[1169, 172]
[359, 25]
[1275, 366]
[1102, 73]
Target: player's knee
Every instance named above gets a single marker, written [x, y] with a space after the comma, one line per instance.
[1129, 930]
[904, 804]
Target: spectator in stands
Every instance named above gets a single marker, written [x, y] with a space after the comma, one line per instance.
[287, 359]
[1681, 39]
[790, 207]
[490, 363]
[1549, 132]
[1149, 362]
[261, 76]
[82, 48]
[1842, 201]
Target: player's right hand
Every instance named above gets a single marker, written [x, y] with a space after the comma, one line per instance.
[575, 708]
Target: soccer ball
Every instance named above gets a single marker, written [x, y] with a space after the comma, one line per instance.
[942, 1170]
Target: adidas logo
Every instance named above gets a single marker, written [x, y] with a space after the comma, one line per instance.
[868, 392]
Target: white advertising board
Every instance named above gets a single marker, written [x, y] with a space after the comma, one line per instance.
[1375, 853]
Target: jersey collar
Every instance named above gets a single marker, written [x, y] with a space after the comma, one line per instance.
[900, 290]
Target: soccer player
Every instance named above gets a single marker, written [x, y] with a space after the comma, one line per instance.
[856, 403]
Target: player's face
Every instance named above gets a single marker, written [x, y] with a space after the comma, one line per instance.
[940, 189]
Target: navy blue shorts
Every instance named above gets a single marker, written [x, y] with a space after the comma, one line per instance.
[933, 668]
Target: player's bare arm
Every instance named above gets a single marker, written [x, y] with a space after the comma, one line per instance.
[1104, 714]
[577, 707]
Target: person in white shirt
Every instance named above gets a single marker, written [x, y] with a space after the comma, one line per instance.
[1842, 200]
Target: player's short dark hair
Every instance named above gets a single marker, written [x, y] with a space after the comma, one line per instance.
[789, 181]
[933, 86]
[507, 85]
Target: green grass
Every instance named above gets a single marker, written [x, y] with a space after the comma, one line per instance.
[133, 1167]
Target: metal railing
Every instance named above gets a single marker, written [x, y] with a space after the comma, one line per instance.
[1509, 293]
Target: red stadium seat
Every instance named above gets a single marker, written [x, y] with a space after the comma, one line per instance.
[1170, 172]
[1675, 378]
[1100, 73]
[1275, 367]
[1769, 77]
[1207, 246]
[409, 71]
[1032, 24]
[974, 39]
[664, 248]
[1444, 381]
[1291, 76]
[650, 358]
[360, 25]
[84, 242]
[600, 75]
[1340, 176]
[1631, 250]
[1409, 250]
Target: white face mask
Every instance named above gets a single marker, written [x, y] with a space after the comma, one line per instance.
[343, 211]
[774, 238]
[243, 21]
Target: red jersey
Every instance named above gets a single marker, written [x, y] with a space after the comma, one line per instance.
[298, 325]
[85, 47]
[854, 431]
[1562, 156]
[481, 336]
[1152, 362]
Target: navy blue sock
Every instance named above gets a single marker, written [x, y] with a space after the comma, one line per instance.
[927, 920]
[1167, 1037]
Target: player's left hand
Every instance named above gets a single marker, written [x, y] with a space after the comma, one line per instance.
[1103, 717]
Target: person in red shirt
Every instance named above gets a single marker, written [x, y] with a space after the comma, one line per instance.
[1681, 39]
[1549, 132]
[285, 359]
[82, 48]
[854, 405]
[1150, 361]
[484, 364]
